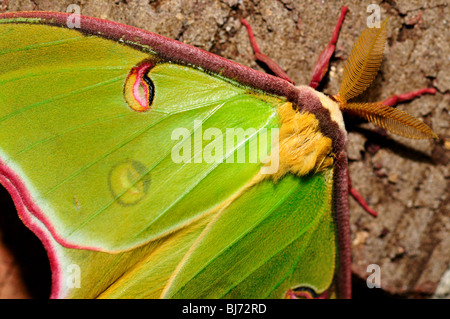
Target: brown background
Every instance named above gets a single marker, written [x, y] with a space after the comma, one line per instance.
[407, 182]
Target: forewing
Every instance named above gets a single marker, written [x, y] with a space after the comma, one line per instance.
[80, 150]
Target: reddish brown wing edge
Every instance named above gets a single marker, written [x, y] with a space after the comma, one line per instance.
[180, 53]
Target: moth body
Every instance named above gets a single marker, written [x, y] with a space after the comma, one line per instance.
[307, 131]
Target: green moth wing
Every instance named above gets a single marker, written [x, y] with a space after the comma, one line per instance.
[103, 150]
[107, 136]
[277, 221]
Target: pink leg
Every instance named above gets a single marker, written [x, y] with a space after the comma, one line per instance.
[275, 68]
[393, 100]
[360, 199]
[321, 66]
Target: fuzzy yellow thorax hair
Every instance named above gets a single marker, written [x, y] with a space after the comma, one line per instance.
[302, 148]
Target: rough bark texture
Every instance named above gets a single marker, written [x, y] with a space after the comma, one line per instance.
[407, 182]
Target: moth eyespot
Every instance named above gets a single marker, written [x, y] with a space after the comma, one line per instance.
[305, 293]
[129, 182]
[139, 90]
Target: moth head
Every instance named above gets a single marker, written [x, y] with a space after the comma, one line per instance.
[360, 70]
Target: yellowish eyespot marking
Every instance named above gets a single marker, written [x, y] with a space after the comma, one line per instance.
[306, 293]
[129, 182]
[138, 89]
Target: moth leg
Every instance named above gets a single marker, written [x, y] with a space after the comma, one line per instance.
[321, 66]
[359, 198]
[272, 65]
[395, 99]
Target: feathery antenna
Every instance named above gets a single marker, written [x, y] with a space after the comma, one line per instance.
[360, 70]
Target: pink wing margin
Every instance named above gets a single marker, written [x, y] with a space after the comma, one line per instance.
[24, 205]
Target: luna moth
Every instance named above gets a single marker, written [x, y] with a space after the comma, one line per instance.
[127, 187]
